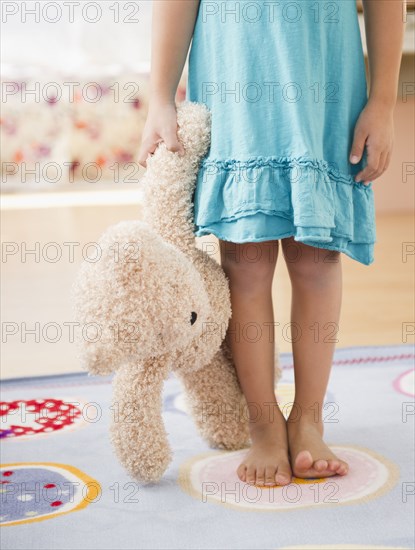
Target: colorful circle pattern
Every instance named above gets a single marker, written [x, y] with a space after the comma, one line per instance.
[405, 383]
[37, 416]
[212, 477]
[38, 491]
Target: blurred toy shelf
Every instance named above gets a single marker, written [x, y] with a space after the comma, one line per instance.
[73, 131]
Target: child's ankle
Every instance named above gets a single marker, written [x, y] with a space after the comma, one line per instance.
[300, 414]
[265, 426]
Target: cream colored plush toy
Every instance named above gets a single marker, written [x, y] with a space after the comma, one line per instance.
[156, 303]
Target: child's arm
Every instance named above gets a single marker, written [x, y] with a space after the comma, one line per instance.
[384, 24]
[172, 31]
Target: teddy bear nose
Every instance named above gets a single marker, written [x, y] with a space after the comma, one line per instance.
[193, 318]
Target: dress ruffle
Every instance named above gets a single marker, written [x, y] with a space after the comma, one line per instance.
[309, 199]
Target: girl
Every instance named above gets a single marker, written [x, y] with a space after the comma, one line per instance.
[296, 143]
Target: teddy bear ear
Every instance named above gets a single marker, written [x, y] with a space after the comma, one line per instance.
[91, 351]
[98, 293]
[98, 361]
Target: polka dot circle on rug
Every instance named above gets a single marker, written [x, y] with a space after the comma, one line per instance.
[211, 477]
[33, 417]
[405, 383]
[39, 491]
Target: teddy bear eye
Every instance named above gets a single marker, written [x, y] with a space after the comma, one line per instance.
[193, 318]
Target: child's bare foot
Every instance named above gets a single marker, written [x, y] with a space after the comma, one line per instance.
[310, 456]
[267, 462]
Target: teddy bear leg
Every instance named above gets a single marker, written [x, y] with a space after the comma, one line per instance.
[137, 430]
[217, 404]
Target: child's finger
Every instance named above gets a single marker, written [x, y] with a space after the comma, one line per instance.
[373, 163]
[373, 158]
[142, 159]
[358, 146]
[172, 142]
[148, 147]
[382, 164]
[364, 175]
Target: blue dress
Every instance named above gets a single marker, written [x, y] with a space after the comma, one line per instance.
[285, 82]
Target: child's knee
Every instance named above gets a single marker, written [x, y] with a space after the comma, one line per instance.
[249, 263]
[312, 265]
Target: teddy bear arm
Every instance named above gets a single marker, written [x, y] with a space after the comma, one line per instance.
[217, 403]
[137, 429]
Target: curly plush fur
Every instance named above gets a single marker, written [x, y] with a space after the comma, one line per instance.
[155, 303]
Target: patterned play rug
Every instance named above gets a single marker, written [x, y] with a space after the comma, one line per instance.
[61, 486]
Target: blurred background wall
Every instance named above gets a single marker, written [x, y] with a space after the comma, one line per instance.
[75, 93]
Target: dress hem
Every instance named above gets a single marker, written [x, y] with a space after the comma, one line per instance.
[314, 202]
[202, 232]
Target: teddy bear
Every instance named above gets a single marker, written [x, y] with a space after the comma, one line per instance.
[155, 303]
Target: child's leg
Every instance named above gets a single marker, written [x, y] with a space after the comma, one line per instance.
[250, 269]
[316, 279]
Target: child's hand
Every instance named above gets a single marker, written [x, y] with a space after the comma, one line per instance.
[161, 125]
[374, 128]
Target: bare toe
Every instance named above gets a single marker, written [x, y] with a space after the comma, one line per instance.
[333, 465]
[303, 461]
[283, 476]
[270, 475]
[241, 472]
[260, 476]
[320, 465]
[251, 475]
[343, 468]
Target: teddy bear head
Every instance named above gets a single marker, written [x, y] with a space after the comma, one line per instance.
[141, 299]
